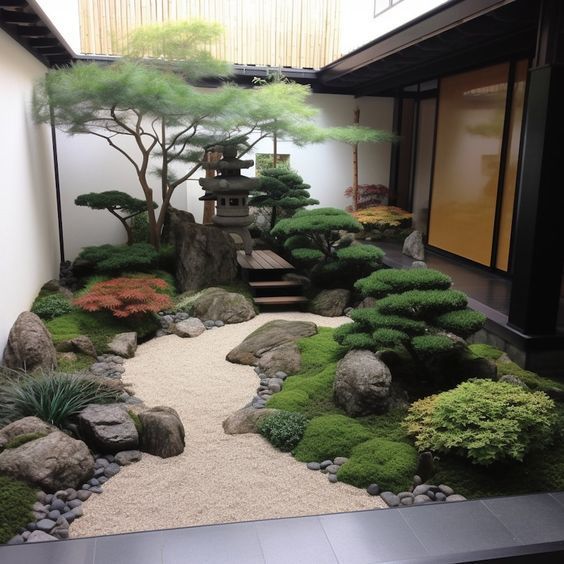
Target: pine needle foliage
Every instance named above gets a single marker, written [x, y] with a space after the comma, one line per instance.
[125, 297]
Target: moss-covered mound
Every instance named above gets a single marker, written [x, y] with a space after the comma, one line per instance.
[389, 464]
[16, 500]
[329, 436]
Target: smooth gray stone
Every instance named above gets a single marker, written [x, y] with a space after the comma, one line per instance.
[390, 498]
[281, 375]
[103, 479]
[93, 482]
[18, 539]
[325, 463]
[401, 495]
[340, 460]
[313, 466]
[57, 504]
[440, 496]
[74, 503]
[40, 536]
[373, 489]
[54, 514]
[447, 490]
[455, 497]
[69, 517]
[406, 501]
[332, 478]
[421, 489]
[112, 469]
[421, 499]
[96, 490]
[332, 469]
[83, 495]
[45, 525]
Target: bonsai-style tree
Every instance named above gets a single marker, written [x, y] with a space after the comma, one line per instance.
[417, 311]
[171, 123]
[314, 238]
[115, 202]
[283, 191]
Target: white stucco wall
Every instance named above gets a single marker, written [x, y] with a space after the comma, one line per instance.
[29, 252]
[88, 164]
[360, 26]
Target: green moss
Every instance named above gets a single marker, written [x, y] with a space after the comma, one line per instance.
[25, 438]
[16, 500]
[389, 464]
[293, 400]
[329, 436]
[388, 425]
[533, 380]
[81, 363]
[136, 421]
[50, 306]
[485, 351]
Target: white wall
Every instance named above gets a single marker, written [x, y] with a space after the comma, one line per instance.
[29, 254]
[359, 26]
[88, 164]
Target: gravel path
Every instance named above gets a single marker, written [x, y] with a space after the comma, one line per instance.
[219, 478]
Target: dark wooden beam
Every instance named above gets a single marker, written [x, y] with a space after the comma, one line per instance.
[12, 17]
[33, 30]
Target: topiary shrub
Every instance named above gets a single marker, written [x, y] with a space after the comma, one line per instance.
[115, 259]
[51, 397]
[484, 421]
[51, 306]
[389, 464]
[127, 296]
[16, 501]
[284, 429]
[329, 436]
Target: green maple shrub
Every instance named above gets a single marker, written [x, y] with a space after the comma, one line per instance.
[51, 306]
[16, 501]
[126, 296]
[484, 421]
[282, 192]
[313, 237]
[329, 436]
[283, 429]
[389, 464]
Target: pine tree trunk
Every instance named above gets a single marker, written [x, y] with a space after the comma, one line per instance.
[209, 205]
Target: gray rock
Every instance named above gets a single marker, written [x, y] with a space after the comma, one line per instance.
[111, 470]
[332, 478]
[284, 359]
[219, 304]
[74, 503]
[83, 495]
[18, 539]
[84, 344]
[323, 465]
[96, 489]
[101, 463]
[29, 345]
[281, 375]
[340, 460]
[413, 246]
[24, 426]
[163, 432]
[367, 303]
[108, 428]
[447, 490]
[69, 517]
[313, 466]
[46, 525]
[124, 344]
[94, 482]
[103, 479]
[417, 480]
[54, 462]
[274, 387]
[25, 535]
[332, 469]
[514, 381]
[191, 327]
[127, 457]
[421, 489]
[421, 499]
[77, 511]
[54, 514]
[455, 497]
[205, 256]
[40, 536]
[418, 264]
[373, 489]
[406, 501]
[401, 495]
[219, 323]
[330, 303]
[71, 494]
[38, 506]
[390, 498]
[245, 420]
[362, 384]
[268, 337]
[439, 496]
[32, 526]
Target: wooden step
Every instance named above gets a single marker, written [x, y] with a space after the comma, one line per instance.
[263, 260]
[275, 284]
[280, 300]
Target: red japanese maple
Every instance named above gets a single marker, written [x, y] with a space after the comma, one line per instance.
[126, 296]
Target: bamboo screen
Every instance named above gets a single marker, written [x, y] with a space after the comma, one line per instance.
[298, 33]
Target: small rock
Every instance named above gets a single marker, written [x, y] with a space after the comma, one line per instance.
[406, 501]
[38, 506]
[373, 489]
[418, 264]
[417, 480]
[390, 498]
[421, 499]
[421, 489]
[126, 457]
[93, 482]
[332, 478]
[275, 388]
[439, 496]
[57, 504]
[124, 344]
[18, 539]
[340, 460]
[103, 479]
[447, 490]
[40, 536]
[333, 469]
[101, 463]
[281, 375]
[32, 526]
[313, 466]
[402, 495]
[25, 535]
[54, 515]
[96, 490]
[219, 323]
[77, 511]
[85, 487]
[83, 495]
[431, 495]
[323, 465]
[69, 517]
[455, 497]
[99, 472]
[46, 525]
[112, 469]
[71, 494]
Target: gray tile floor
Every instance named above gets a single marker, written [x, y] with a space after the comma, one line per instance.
[524, 528]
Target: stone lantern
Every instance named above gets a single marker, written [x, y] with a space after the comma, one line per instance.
[230, 190]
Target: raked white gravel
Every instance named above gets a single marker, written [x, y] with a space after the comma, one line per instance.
[219, 478]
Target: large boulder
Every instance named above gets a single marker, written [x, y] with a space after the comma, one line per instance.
[29, 345]
[245, 420]
[205, 255]
[55, 462]
[285, 358]
[268, 337]
[174, 218]
[330, 303]
[413, 246]
[162, 432]
[124, 344]
[108, 428]
[25, 426]
[362, 384]
[219, 304]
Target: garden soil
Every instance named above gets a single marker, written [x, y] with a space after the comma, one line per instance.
[219, 478]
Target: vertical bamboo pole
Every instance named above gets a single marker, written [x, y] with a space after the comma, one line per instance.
[356, 121]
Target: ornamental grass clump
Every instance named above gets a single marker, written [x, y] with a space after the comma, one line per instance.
[127, 296]
[484, 421]
[284, 429]
[51, 397]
